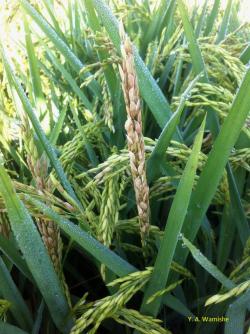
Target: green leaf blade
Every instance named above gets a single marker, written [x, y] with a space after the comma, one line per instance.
[217, 160]
[173, 228]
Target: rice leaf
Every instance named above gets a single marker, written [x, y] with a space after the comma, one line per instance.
[161, 15]
[237, 207]
[58, 126]
[236, 314]
[227, 233]
[245, 55]
[34, 70]
[198, 62]
[38, 320]
[67, 76]
[207, 265]
[176, 305]
[49, 5]
[10, 329]
[9, 248]
[225, 22]
[212, 17]
[200, 23]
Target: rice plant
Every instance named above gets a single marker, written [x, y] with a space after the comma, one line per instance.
[124, 167]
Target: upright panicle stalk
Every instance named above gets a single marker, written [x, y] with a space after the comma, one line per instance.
[133, 126]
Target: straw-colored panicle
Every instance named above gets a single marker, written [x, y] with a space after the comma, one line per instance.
[133, 128]
[38, 166]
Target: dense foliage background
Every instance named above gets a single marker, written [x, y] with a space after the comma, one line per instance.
[71, 255]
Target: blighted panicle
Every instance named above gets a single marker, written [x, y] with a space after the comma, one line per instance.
[133, 127]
